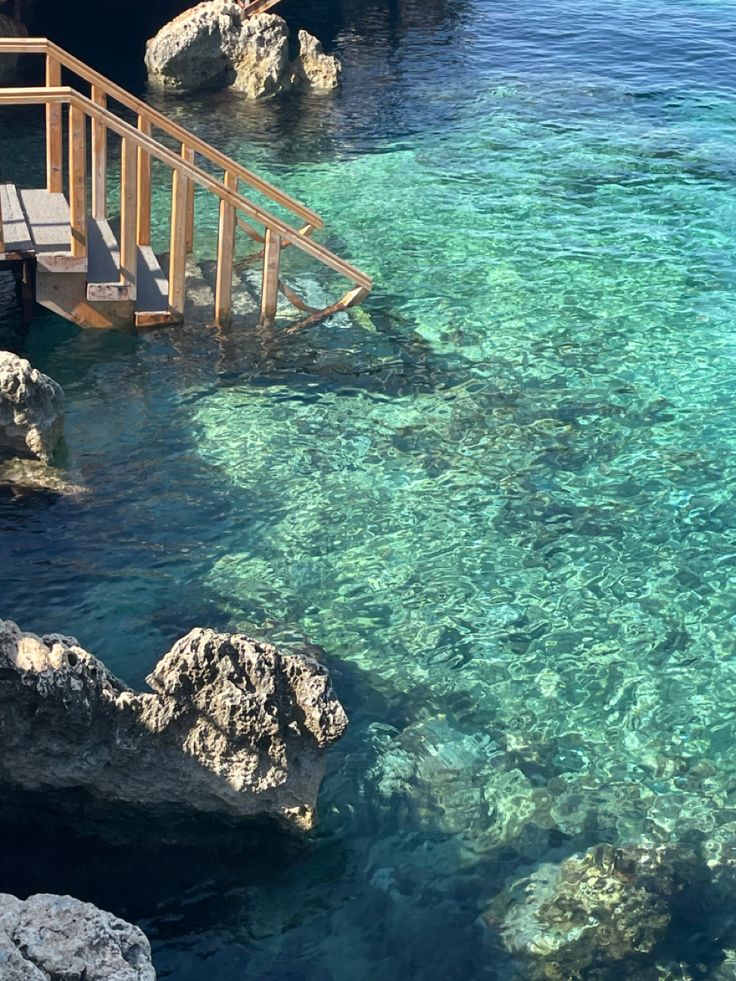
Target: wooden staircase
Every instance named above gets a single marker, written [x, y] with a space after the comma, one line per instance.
[73, 258]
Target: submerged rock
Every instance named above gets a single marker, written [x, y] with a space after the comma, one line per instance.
[31, 410]
[606, 907]
[57, 938]
[234, 727]
[215, 45]
[9, 27]
[313, 67]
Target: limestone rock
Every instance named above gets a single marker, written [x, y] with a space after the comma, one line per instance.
[313, 67]
[261, 57]
[31, 410]
[57, 938]
[9, 62]
[234, 727]
[215, 45]
[608, 906]
[193, 50]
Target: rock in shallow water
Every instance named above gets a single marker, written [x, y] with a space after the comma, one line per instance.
[608, 906]
[214, 45]
[57, 938]
[31, 410]
[234, 728]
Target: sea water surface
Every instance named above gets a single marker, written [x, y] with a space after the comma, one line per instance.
[500, 499]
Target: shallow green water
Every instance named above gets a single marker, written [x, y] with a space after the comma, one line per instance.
[501, 500]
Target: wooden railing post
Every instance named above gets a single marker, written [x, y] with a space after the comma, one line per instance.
[77, 181]
[225, 254]
[270, 288]
[188, 155]
[53, 130]
[128, 215]
[99, 159]
[144, 186]
[178, 244]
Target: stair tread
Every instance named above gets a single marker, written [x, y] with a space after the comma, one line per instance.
[152, 285]
[47, 214]
[103, 253]
[16, 236]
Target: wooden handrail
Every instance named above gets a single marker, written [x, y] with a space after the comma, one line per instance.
[155, 118]
[277, 227]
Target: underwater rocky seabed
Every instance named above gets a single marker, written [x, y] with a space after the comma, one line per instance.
[500, 497]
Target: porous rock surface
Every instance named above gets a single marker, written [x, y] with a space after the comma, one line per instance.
[215, 45]
[9, 27]
[606, 906]
[57, 938]
[313, 67]
[232, 726]
[31, 410]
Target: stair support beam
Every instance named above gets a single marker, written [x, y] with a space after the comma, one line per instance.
[128, 217]
[53, 130]
[144, 186]
[78, 181]
[99, 159]
[178, 244]
[270, 287]
[225, 256]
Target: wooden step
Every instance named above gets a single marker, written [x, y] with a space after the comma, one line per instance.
[152, 303]
[47, 215]
[103, 269]
[16, 235]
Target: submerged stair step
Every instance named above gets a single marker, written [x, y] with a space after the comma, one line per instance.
[16, 236]
[152, 302]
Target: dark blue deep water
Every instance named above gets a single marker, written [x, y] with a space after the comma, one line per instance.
[500, 497]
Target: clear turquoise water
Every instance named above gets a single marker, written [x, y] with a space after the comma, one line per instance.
[502, 501]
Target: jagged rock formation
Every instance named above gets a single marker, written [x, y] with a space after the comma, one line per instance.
[608, 906]
[233, 726]
[313, 67]
[215, 45]
[10, 27]
[31, 410]
[57, 938]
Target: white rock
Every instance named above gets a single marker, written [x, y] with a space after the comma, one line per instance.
[313, 67]
[31, 410]
[57, 937]
[194, 50]
[261, 57]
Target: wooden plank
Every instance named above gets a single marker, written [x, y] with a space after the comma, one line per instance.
[270, 287]
[188, 155]
[53, 130]
[178, 244]
[99, 159]
[225, 255]
[47, 217]
[128, 215]
[77, 181]
[144, 186]
[351, 299]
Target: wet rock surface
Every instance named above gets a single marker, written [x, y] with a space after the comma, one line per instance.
[233, 726]
[58, 938]
[608, 907]
[214, 45]
[31, 410]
